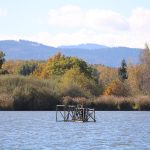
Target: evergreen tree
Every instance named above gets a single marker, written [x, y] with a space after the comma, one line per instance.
[122, 71]
[2, 59]
[27, 68]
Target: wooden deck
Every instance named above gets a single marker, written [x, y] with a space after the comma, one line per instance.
[71, 113]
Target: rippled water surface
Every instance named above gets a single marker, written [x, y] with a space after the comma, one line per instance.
[39, 131]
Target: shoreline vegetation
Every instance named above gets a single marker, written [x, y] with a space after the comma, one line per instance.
[26, 93]
[41, 85]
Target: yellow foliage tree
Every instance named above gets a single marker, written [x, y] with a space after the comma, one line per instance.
[106, 75]
[133, 79]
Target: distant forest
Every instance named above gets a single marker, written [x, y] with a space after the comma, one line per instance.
[41, 85]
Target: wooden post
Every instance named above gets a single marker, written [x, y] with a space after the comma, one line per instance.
[56, 113]
[64, 114]
[94, 116]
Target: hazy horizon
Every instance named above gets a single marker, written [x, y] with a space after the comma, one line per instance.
[69, 45]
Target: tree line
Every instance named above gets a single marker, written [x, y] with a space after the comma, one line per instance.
[33, 85]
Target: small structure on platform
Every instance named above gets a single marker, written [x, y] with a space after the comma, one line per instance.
[72, 113]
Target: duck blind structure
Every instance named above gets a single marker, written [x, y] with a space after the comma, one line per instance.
[71, 113]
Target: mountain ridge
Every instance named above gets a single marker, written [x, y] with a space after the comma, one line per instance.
[84, 46]
[92, 53]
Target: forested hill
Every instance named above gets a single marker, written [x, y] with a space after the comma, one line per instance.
[92, 53]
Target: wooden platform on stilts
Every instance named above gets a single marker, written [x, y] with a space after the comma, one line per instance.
[72, 113]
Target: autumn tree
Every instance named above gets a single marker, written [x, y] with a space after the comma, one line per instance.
[75, 76]
[12, 66]
[118, 88]
[133, 78]
[106, 75]
[21, 67]
[144, 75]
[59, 65]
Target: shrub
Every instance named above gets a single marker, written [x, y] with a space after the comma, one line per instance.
[105, 103]
[6, 102]
[126, 104]
[143, 103]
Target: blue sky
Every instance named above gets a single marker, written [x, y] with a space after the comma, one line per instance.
[67, 22]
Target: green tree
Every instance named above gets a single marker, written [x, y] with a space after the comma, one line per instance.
[27, 68]
[75, 83]
[2, 59]
[122, 71]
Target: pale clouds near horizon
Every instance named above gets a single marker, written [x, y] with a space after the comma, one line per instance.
[96, 19]
[99, 26]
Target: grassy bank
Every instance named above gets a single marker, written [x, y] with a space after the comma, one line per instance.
[25, 93]
[113, 103]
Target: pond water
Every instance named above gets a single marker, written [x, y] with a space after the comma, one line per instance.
[39, 131]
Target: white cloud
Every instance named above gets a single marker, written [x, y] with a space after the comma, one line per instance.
[97, 19]
[105, 20]
[140, 20]
[67, 16]
[3, 12]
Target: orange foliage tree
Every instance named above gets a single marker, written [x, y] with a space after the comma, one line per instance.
[117, 88]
